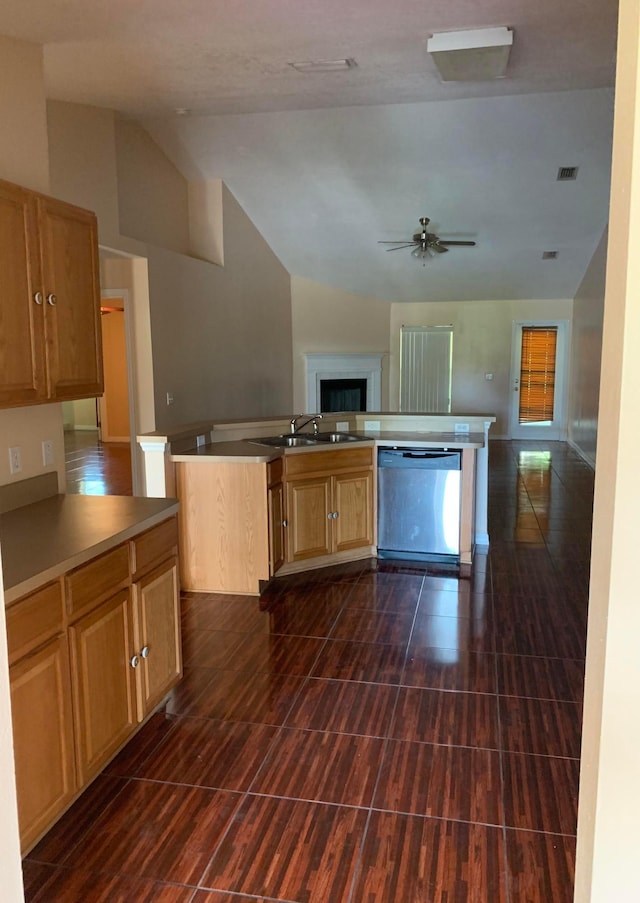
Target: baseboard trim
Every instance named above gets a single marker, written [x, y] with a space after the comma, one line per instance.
[585, 457]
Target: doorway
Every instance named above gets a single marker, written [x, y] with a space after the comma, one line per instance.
[539, 362]
[100, 433]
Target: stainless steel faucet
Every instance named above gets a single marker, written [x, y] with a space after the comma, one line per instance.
[314, 420]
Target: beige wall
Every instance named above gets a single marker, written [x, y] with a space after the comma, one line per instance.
[482, 334]
[23, 135]
[83, 162]
[609, 813]
[221, 335]
[586, 350]
[327, 319]
[152, 194]
[80, 414]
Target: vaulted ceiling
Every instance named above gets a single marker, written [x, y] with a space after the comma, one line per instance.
[329, 164]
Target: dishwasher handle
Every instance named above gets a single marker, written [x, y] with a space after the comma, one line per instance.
[419, 458]
[429, 455]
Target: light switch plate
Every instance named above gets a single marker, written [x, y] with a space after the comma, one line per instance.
[371, 425]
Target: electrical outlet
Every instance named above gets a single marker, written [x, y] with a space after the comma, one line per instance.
[461, 428]
[15, 459]
[47, 452]
[169, 398]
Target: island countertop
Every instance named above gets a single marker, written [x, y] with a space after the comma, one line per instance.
[43, 540]
[248, 451]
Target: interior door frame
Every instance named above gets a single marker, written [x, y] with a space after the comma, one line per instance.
[557, 429]
[123, 293]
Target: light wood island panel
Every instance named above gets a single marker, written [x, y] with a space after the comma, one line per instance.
[224, 534]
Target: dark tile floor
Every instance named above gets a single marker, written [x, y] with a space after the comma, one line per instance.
[383, 733]
[94, 467]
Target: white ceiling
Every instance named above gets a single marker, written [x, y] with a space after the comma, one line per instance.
[328, 164]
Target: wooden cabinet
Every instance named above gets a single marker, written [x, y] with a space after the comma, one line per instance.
[41, 709]
[276, 513]
[125, 648]
[102, 646]
[156, 610]
[50, 302]
[91, 655]
[329, 502]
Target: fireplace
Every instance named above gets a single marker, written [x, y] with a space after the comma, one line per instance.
[343, 395]
[354, 382]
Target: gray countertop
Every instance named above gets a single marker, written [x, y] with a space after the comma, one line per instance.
[248, 452]
[44, 540]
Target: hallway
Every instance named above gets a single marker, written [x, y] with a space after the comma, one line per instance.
[381, 733]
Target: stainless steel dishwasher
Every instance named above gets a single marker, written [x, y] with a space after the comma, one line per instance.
[419, 504]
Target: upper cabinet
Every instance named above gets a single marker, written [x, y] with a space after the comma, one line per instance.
[50, 341]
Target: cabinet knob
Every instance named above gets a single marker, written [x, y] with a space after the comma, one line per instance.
[144, 652]
[285, 523]
[134, 661]
[51, 299]
[38, 297]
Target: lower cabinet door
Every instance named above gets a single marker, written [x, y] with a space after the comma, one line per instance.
[42, 737]
[104, 682]
[157, 635]
[353, 500]
[308, 512]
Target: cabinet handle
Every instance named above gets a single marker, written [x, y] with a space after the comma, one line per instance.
[38, 297]
[144, 652]
[135, 661]
[51, 299]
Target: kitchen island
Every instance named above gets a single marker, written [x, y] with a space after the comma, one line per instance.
[249, 511]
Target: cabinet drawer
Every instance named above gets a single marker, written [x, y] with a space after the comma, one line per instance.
[153, 545]
[327, 461]
[92, 582]
[33, 620]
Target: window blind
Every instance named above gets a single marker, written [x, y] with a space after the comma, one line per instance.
[425, 368]
[537, 374]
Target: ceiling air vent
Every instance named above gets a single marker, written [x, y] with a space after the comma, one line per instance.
[567, 174]
[549, 255]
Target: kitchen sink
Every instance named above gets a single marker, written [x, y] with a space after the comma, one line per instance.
[286, 441]
[338, 437]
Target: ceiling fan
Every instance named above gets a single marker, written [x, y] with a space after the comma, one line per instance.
[426, 244]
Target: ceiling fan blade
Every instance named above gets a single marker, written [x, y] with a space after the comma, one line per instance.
[400, 247]
[462, 244]
[438, 247]
[405, 241]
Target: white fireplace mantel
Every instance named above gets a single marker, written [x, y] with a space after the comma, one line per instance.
[344, 366]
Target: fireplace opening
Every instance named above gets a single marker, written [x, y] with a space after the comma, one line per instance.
[343, 395]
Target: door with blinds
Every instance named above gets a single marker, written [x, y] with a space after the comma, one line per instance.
[538, 380]
[425, 369]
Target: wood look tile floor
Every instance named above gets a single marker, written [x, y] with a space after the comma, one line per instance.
[382, 732]
[96, 468]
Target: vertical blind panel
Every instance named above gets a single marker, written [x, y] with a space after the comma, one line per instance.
[425, 369]
[538, 374]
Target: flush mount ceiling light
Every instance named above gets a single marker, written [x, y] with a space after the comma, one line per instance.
[324, 65]
[479, 54]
